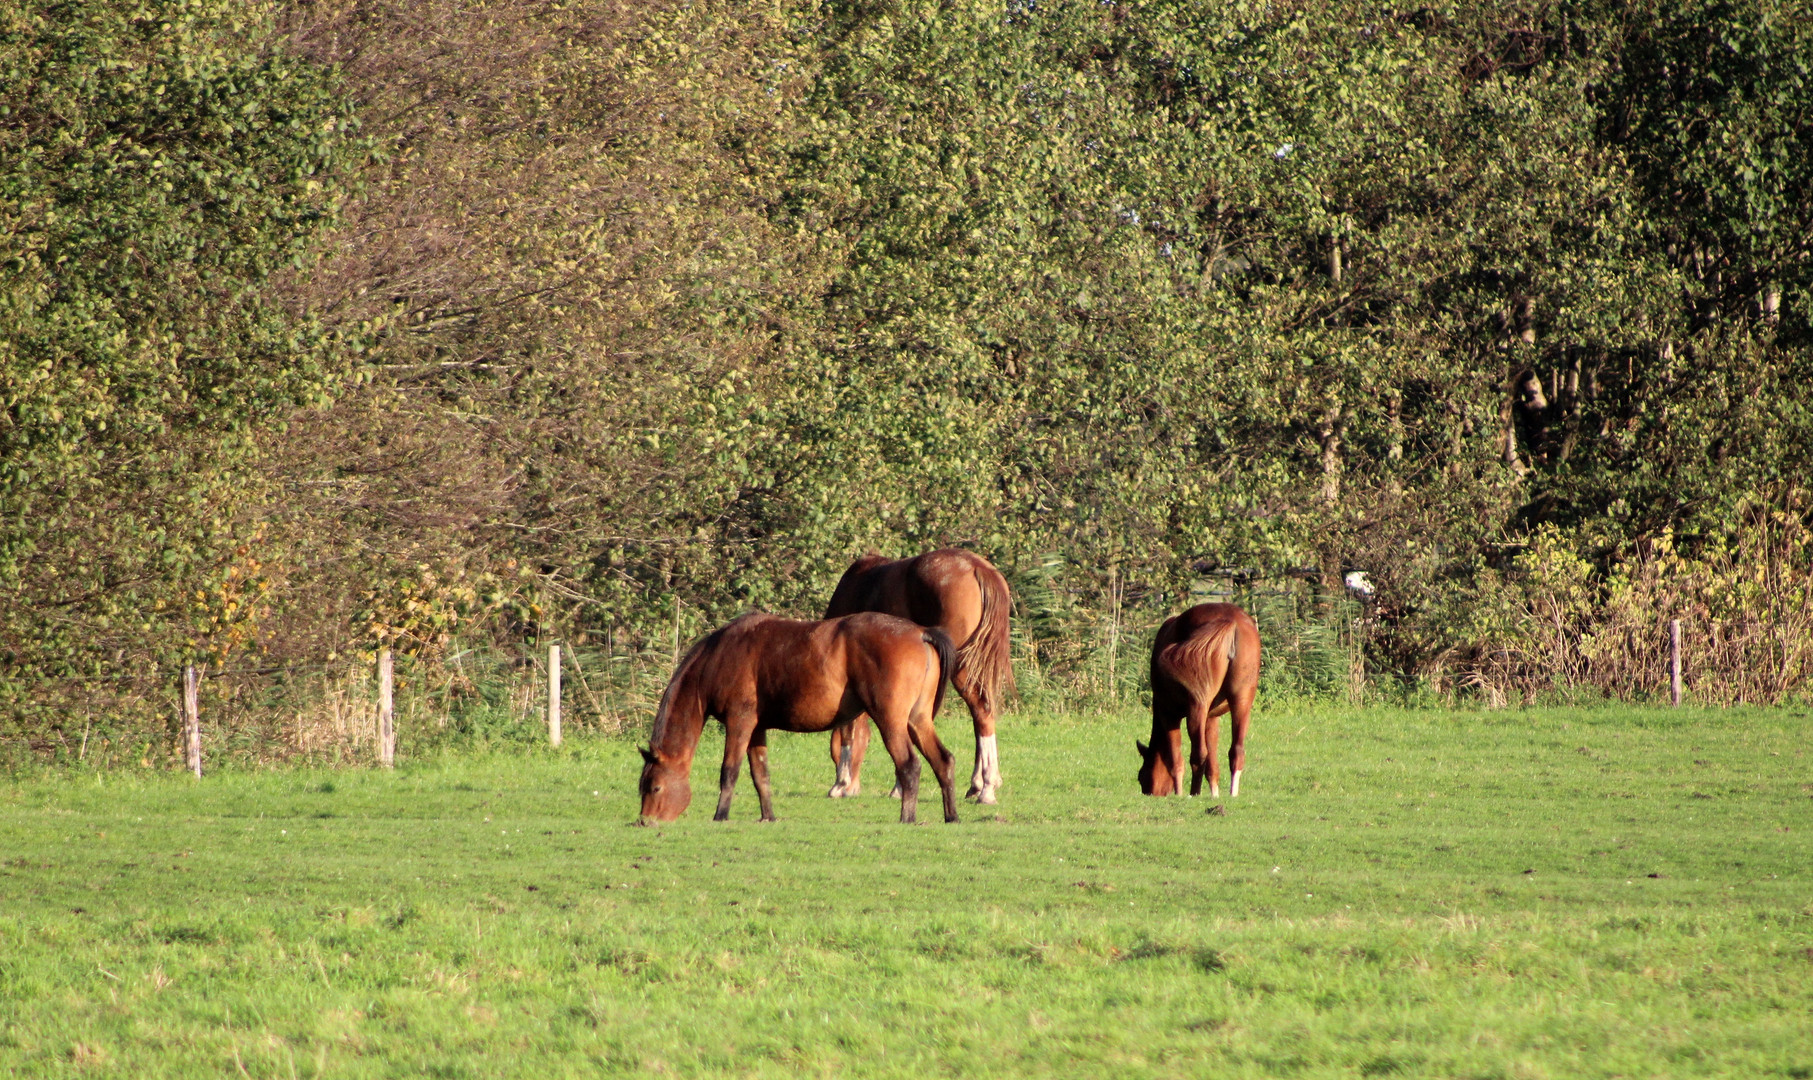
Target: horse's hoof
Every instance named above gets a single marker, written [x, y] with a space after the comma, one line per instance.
[986, 797]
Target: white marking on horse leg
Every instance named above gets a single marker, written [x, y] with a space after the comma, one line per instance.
[1214, 790]
[988, 769]
[1234, 786]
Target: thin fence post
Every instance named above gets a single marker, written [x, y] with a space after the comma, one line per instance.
[554, 696]
[387, 729]
[192, 717]
[1114, 632]
[1674, 661]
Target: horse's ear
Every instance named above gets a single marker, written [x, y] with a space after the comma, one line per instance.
[648, 755]
[1144, 750]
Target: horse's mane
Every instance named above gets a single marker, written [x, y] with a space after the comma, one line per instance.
[682, 673]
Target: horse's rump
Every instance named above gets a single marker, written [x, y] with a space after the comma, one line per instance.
[985, 658]
[1191, 661]
[914, 589]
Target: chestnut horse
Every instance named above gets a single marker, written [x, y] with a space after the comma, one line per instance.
[1205, 662]
[760, 673]
[958, 592]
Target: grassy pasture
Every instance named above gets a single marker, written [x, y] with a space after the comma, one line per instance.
[1543, 893]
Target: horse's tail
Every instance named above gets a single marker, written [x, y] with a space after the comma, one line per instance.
[947, 662]
[1188, 661]
[986, 658]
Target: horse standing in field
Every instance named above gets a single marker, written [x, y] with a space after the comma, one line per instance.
[760, 673]
[960, 593]
[1205, 662]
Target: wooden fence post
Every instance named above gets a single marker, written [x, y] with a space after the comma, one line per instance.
[1114, 631]
[554, 696]
[1674, 661]
[387, 730]
[192, 717]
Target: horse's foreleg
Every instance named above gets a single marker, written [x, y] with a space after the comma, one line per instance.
[1239, 714]
[1171, 749]
[858, 747]
[842, 738]
[985, 780]
[737, 733]
[758, 771]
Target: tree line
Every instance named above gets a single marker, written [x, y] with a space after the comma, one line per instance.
[331, 323]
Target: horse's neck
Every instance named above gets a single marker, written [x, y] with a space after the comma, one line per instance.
[681, 721]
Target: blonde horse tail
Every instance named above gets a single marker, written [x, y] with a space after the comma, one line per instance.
[986, 658]
[1188, 661]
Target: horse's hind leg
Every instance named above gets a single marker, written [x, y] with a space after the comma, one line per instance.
[986, 778]
[758, 771]
[944, 763]
[1240, 712]
[906, 764]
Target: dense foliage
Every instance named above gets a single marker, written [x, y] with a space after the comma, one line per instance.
[618, 315]
[157, 164]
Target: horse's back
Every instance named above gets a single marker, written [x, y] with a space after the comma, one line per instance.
[878, 634]
[810, 675]
[865, 586]
[942, 588]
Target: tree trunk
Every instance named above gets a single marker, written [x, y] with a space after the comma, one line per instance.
[1332, 429]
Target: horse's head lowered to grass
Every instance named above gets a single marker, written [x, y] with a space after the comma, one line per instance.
[1155, 774]
[665, 787]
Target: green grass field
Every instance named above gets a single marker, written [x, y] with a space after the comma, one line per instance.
[1545, 893]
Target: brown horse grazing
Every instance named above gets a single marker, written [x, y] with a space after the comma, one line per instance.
[958, 592]
[760, 673]
[1205, 662]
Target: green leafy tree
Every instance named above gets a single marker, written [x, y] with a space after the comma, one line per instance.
[158, 163]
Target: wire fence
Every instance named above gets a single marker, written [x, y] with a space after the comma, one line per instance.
[1076, 647]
